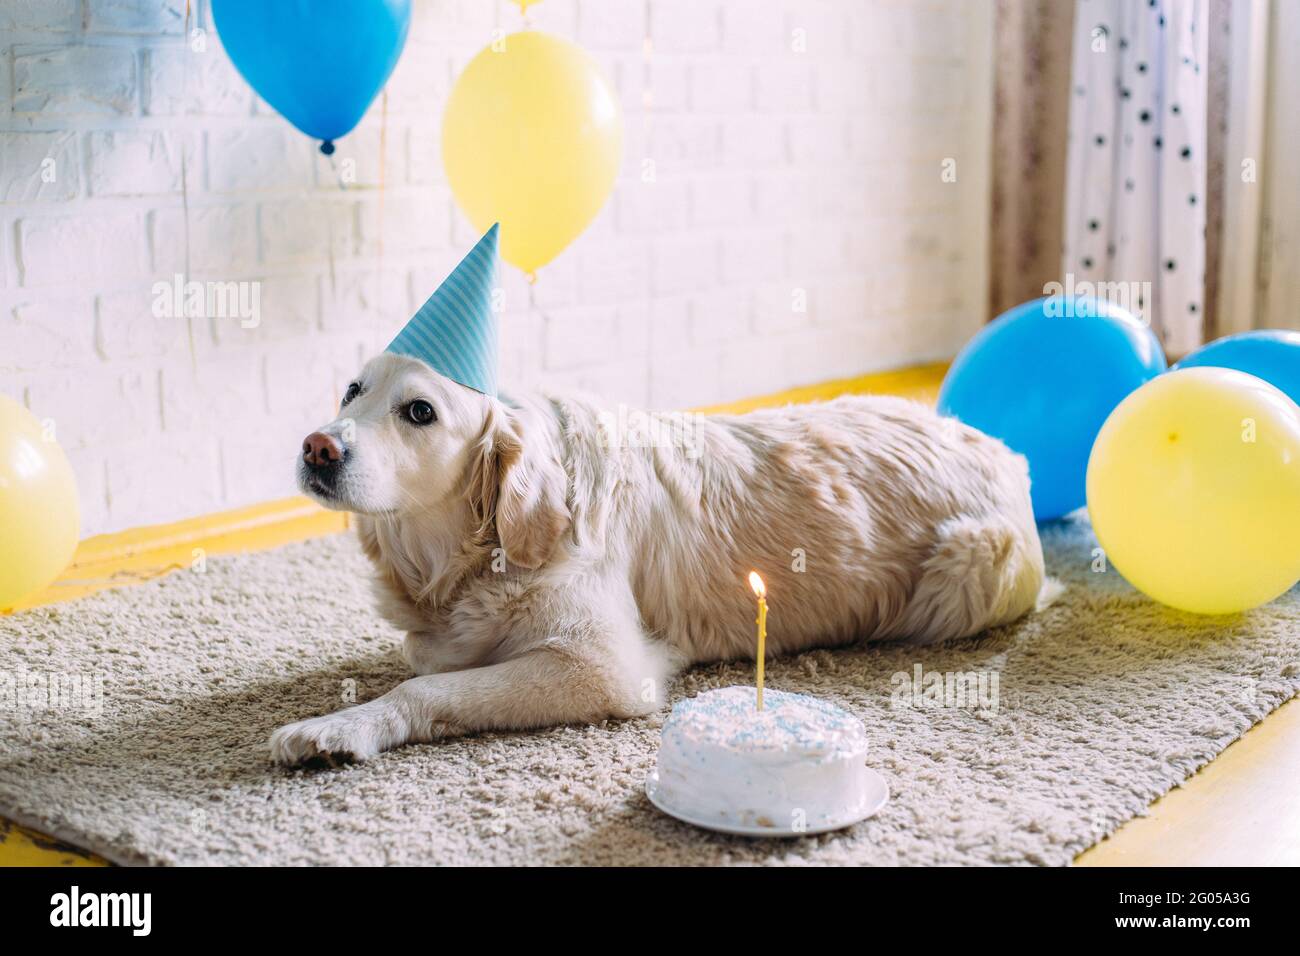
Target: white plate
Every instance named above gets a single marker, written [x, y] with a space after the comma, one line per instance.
[877, 797]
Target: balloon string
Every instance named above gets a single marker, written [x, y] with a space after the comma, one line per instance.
[647, 71]
[337, 175]
[185, 199]
[534, 308]
[383, 167]
[647, 103]
[343, 187]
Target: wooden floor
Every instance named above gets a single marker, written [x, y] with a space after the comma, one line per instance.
[1241, 809]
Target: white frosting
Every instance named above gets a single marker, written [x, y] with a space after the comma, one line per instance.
[798, 760]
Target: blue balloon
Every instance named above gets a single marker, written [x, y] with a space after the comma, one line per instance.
[1273, 355]
[320, 63]
[1043, 377]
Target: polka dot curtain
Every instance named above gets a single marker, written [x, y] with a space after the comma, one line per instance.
[1135, 192]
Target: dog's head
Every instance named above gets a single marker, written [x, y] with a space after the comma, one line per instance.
[409, 441]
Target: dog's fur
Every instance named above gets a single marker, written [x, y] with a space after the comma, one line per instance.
[548, 567]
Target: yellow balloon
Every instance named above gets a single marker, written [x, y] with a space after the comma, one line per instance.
[1194, 490]
[532, 138]
[39, 516]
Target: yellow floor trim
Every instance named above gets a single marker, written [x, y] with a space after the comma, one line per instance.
[918, 382]
[1241, 809]
[141, 554]
[22, 847]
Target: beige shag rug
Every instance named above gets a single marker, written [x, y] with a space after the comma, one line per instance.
[134, 723]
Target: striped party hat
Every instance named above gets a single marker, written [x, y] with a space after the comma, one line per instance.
[455, 332]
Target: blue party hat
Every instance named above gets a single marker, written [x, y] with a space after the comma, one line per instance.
[455, 332]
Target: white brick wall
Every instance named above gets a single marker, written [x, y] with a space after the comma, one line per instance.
[796, 227]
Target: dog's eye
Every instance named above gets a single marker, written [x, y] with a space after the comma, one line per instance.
[420, 412]
[353, 391]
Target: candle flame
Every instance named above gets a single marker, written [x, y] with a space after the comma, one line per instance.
[757, 584]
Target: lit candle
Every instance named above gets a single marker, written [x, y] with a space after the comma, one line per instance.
[760, 589]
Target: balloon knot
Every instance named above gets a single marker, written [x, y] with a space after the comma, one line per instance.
[327, 147]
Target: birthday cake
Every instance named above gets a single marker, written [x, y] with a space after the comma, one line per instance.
[799, 762]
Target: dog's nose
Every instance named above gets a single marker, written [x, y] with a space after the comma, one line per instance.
[320, 450]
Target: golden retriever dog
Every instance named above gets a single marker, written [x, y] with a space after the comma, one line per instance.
[550, 562]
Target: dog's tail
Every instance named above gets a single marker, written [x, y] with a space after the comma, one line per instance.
[1048, 593]
[982, 572]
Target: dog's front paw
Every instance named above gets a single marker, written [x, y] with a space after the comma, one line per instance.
[348, 736]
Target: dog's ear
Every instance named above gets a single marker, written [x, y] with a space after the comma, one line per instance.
[517, 486]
